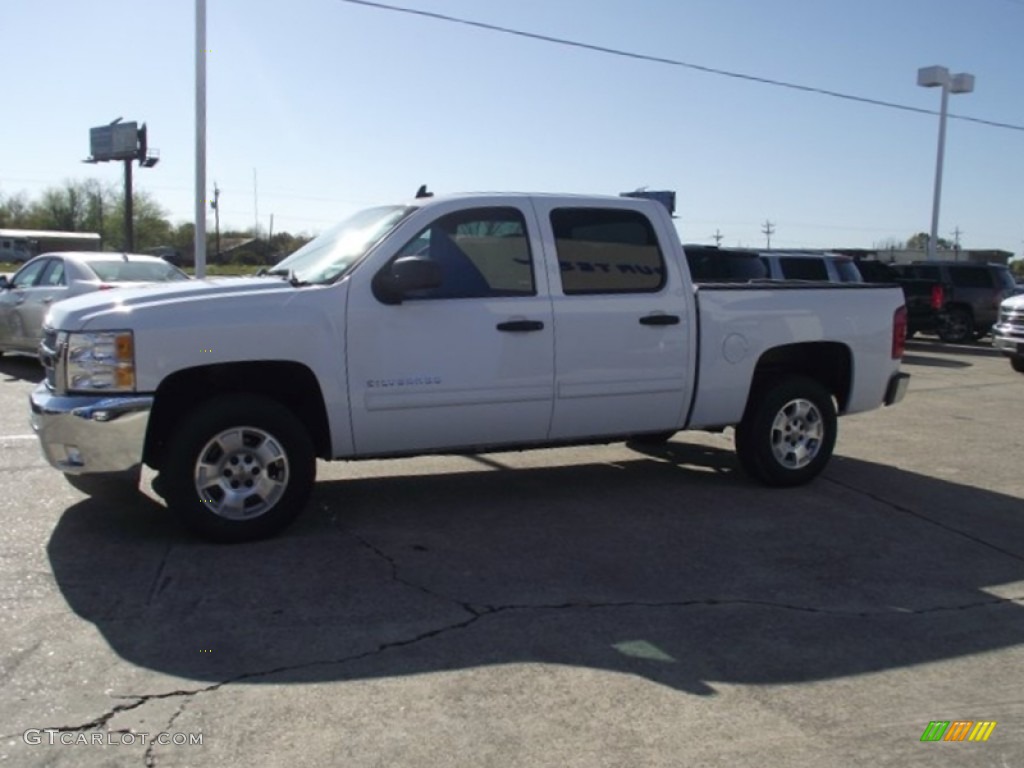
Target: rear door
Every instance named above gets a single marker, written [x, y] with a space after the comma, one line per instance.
[623, 341]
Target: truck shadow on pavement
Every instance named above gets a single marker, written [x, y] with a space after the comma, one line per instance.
[668, 566]
[20, 368]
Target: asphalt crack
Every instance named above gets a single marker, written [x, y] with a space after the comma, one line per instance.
[478, 613]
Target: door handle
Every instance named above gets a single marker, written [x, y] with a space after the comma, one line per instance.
[659, 320]
[520, 326]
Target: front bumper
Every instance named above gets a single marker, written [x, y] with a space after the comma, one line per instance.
[1009, 345]
[897, 388]
[87, 433]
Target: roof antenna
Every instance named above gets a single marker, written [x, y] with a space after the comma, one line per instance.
[422, 192]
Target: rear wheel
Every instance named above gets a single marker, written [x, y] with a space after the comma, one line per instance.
[239, 468]
[956, 326]
[1017, 363]
[787, 435]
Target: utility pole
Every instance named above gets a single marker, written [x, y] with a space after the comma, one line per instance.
[717, 237]
[129, 213]
[768, 229]
[215, 204]
[270, 237]
[956, 243]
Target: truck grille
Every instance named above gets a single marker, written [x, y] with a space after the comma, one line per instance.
[1011, 321]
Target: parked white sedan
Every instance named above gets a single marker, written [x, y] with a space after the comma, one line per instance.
[50, 277]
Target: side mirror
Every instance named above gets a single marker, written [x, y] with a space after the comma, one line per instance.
[4, 283]
[405, 276]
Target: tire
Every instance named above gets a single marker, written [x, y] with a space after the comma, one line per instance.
[239, 468]
[956, 326]
[788, 433]
[1017, 363]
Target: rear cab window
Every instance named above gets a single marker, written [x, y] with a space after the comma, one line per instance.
[607, 250]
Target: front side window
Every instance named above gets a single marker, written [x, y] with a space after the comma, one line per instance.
[27, 275]
[607, 250]
[482, 252]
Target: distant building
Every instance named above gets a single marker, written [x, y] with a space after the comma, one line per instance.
[20, 245]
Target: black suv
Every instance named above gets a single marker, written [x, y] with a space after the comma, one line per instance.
[972, 294]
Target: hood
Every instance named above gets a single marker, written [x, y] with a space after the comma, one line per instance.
[88, 311]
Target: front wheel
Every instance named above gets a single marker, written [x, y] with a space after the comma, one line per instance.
[788, 433]
[1017, 363]
[239, 468]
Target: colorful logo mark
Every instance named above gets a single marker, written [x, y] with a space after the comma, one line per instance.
[958, 730]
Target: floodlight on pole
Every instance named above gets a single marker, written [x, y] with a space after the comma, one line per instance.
[932, 77]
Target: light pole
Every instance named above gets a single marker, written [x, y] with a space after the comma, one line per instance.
[930, 77]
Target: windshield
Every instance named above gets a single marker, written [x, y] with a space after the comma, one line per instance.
[331, 254]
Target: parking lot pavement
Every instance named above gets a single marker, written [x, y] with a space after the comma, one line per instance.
[605, 606]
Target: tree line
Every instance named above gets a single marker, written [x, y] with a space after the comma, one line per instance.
[93, 206]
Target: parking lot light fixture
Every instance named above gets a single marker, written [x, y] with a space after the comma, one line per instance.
[932, 77]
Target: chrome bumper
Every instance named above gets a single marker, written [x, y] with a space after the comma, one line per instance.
[86, 433]
[897, 388]
[1009, 345]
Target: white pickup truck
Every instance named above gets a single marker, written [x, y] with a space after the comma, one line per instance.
[458, 324]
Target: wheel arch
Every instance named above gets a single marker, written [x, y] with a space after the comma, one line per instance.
[830, 363]
[292, 384]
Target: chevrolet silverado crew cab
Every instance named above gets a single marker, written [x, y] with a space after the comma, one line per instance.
[452, 324]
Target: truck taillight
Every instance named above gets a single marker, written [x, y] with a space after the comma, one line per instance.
[899, 332]
[938, 297]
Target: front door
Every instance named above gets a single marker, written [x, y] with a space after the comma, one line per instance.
[15, 306]
[467, 364]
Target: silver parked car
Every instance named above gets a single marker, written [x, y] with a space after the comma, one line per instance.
[50, 277]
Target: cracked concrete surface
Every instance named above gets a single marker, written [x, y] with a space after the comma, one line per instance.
[584, 607]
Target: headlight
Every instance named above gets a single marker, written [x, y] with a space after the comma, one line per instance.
[102, 362]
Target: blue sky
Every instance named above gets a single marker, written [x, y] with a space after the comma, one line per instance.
[338, 106]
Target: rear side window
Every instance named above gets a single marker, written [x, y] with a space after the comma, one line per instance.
[603, 250]
[1005, 279]
[848, 272]
[921, 272]
[971, 277]
[803, 269]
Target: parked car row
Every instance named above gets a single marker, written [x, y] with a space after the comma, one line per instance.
[959, 301]
[26, 297]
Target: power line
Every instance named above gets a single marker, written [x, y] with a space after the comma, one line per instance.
[672, 62]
